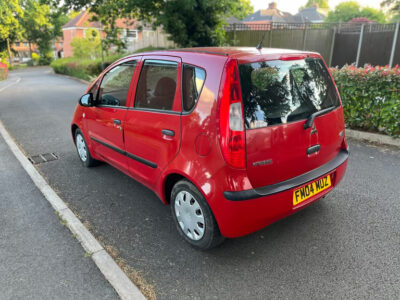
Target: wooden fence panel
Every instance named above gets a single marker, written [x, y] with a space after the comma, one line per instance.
[320, 40]
[376, 46]
[287, 38]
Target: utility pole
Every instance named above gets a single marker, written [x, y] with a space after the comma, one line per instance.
[271, 26]
[101, 46]
[360, 44]
[305, 36]
[396, 34]
[332, 47]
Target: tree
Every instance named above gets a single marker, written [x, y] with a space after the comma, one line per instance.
[73, 13]
[88, 46]
[241, 9]
[42, 25]
[373, 14]
[393, 5]
[36, 22]
[189, 22]
[320, 3]
[10, 27]
[394, 9]
[346, 11]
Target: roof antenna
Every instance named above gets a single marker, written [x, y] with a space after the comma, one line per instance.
[259, 46]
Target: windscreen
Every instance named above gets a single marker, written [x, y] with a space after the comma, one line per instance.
[279, 92]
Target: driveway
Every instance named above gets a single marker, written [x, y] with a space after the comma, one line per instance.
[344, 246]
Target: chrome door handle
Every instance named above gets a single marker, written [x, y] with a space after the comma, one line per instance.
[117, 122]
[168, 132]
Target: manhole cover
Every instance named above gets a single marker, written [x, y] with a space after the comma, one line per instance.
[42, 158]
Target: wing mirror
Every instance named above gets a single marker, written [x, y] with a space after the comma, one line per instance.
[86, 100]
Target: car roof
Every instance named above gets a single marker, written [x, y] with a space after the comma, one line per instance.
[242, 54]
[234, 52]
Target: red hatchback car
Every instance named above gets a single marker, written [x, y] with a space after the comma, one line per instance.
[233, 138]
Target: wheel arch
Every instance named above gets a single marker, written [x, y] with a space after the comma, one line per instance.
[74, 127]
[170, 180]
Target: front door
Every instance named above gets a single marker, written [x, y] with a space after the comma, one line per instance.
[105, 121]
[153, 124]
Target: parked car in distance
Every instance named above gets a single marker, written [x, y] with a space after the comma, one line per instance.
[233, 139]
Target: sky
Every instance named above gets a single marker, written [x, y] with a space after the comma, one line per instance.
[292, 6]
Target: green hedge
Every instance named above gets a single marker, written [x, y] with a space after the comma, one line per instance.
[87, 69]
[371, 98]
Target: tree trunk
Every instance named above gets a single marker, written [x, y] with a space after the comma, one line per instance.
[9, 52]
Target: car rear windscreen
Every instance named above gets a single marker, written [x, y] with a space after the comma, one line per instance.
[278, 92]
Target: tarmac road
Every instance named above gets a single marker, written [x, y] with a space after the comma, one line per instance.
[344, 246]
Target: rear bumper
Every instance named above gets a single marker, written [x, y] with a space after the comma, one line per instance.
[247, 211]
[288, 184]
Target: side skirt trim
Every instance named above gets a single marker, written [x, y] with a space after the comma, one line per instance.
[127, 154]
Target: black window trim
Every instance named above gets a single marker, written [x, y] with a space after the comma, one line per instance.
[184, 112]
[171, 112]
[112, 106]
[154, 110]
[101, 81]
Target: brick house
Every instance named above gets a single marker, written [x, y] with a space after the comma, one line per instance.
[134, 33]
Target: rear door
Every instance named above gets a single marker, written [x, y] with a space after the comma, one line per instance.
[153, 123]
[278, 97]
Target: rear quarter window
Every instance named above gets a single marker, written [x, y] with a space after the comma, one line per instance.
[192, 83]
[279, 92]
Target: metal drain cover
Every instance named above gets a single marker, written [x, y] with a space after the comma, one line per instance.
[42, 158]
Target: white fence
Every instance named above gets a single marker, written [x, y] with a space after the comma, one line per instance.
[149, 38]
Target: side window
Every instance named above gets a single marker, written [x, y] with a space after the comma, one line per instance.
[157, 85]
[192, 83]
[114, 87]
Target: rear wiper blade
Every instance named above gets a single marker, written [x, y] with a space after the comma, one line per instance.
[311, 118]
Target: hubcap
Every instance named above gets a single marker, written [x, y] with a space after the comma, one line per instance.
[189, 215]
[81, 146]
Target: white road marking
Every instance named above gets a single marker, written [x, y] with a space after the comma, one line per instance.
[10, 84]
[111, 271]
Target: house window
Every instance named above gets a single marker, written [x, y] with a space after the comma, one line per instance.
[17, 44]
[131, 33]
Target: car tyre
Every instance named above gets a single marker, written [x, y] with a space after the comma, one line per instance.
[193, 217]
[83, 150]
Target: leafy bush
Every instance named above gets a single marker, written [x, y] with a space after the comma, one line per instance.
[86, 69]
[35, 59]
[46, 59]
[370, 97]
[88, 46]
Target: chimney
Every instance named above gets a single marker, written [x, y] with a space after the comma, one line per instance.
[272, 5]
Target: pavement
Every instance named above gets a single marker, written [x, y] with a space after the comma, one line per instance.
[344, 246]
[39, 257]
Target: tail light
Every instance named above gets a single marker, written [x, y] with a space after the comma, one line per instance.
[231, 124]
